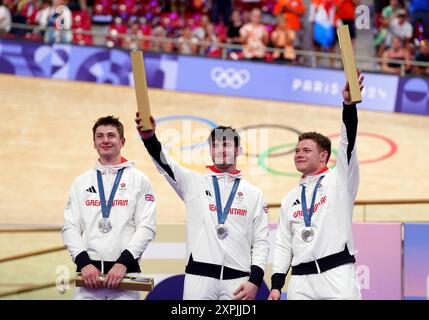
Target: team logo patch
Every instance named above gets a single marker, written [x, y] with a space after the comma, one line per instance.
[297, 202]
[122, 188]
[239, 197]
[149, 197]
[91, 190]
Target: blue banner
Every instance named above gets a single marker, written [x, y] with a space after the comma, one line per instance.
[416, 261]
[95, 64]
[279, 82]
[413, 96]
[215, 76]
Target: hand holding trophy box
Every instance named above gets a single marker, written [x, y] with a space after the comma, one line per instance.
[349, 63]
[140, 86]
[127, 283]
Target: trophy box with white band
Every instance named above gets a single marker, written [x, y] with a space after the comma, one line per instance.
[127, 283]
[140, 85]
[349, 63]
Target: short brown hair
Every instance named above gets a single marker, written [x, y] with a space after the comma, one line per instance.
[109, 121]
[323, 142]
[226, 133]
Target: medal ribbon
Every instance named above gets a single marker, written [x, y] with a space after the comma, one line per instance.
[309, 213]
[221, 216]
[105, 208]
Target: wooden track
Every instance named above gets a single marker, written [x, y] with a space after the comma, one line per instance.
[47, 142]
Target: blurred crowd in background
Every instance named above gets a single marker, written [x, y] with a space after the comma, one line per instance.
[202, 27]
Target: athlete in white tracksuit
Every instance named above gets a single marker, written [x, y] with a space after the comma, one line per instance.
[322, 265]
[132, 217]
[228, 268]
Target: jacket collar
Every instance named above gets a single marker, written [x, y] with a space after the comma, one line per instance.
[307, 179]
[215, 172]
[113, 168]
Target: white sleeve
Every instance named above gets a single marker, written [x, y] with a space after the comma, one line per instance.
[178, 177]
[145, 220]
[182, 176]
[73, 229]
[260, 243]
[282, 255]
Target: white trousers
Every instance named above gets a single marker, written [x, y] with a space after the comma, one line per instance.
[82, 293]
[339, 283]
[206, 288]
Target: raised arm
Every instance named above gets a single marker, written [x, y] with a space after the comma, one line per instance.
[347, 162]
[176, 175]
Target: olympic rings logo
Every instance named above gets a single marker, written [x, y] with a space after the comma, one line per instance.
[230, 78]
[282, 149]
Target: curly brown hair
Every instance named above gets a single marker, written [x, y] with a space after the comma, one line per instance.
[323, 142]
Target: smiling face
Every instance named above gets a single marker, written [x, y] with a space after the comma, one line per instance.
[108, 143]
[309, 157]
[224, 145]
[224, 153]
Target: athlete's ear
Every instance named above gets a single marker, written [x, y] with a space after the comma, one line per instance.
[324, 156]
[239, 151]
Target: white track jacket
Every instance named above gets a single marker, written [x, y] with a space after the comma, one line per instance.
[247, 243]
[332, 216]
[132, 214]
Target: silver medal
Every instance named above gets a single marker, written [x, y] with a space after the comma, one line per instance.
[222, 231]
[307, 234]
[104, 225]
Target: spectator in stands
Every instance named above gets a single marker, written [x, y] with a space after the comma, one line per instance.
[387, 14]
[422, 56]
[200, 32]
[187, 44]
[57, 19]
[161, 44]
[27, 9]
[420, 13]
[132, 40]
[245, 16]
[254, 37]
[210, 46]
[323, 22]
[5, 19]
[346, 14]
[234, 25]
[399, 27]
[283, 38]
[293, 10]
[396, 51]
[41, 18]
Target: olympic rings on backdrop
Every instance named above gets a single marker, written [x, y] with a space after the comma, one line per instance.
[271, 152]
[267, 153]
[230, 77]
[279, 126]
[392, 146]
[211, 123]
